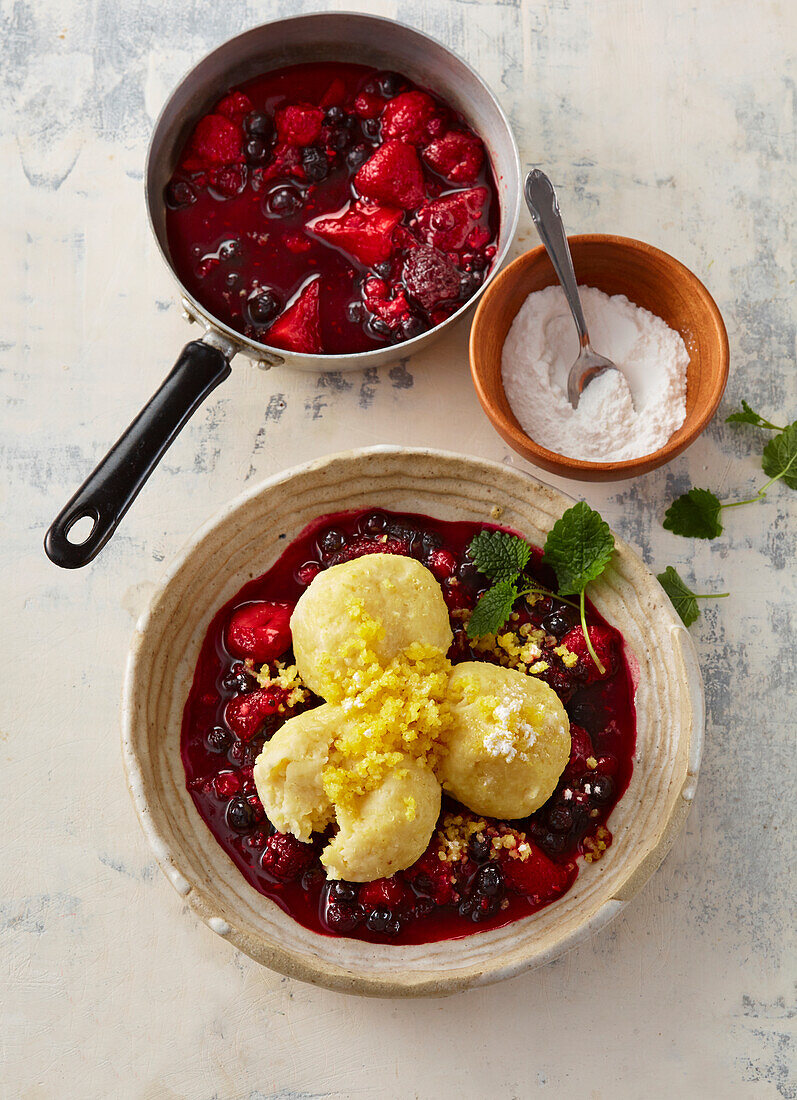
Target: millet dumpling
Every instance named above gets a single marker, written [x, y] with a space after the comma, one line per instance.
[388, 828]
[509, 741]
[395, 592]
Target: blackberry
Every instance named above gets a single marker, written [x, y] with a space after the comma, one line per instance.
[315, 164]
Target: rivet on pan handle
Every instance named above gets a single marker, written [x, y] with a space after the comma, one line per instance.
[109, 491]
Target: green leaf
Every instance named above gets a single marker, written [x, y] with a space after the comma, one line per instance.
[578, 548]
[493, 609]
[499, 555]
[683, 598]
[747, 416]
[780, 456]
[694, 515]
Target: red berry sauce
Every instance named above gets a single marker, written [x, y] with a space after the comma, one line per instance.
[330, 208]
[228, 717]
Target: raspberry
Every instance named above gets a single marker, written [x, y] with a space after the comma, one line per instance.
[367, 105]
[260, 630]
[392, 175]
[434, 877]
[359, 547]
[430, 277]
[393, 311]
[245, 713]
[297, 329]
[229, 180]
[580, 749]
[298, 124]
[447, 223]
[286, 161]
[226, 784]
[215, 141]
[456, 156]
[442, 563]
[604, 642]
[408, 116]
[388, 893]
[235, 106]
[364, 231]
[285, 858]
[538, 877]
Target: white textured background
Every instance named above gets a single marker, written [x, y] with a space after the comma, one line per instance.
[670, 120]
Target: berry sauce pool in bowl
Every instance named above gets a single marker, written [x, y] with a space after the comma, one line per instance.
[331, 208]
[470, 879]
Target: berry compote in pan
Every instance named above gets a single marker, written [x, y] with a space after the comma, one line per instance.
[329, 208]
[478, 872]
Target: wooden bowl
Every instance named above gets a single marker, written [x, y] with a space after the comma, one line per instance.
[616, 265]
[243, 541]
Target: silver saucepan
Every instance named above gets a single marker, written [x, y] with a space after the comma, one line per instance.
[329, 36]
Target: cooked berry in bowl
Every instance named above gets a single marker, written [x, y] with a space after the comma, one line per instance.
[328, 208]
[483, 773]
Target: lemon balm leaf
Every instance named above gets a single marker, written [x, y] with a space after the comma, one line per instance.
[747, 416]
[695, 515]
[499, 555]
[780, 457]
[493, 609]
[578, 548]
[682, 597]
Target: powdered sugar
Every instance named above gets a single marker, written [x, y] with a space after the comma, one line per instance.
[512, 736]
[616, 419]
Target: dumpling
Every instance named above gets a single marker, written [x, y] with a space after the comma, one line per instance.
[380, 602]
[508, 743]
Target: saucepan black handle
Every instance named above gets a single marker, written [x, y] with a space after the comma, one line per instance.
[109, 491]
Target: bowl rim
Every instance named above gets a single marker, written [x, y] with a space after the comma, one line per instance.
[434, 982]
[340, 360]
[509, 428]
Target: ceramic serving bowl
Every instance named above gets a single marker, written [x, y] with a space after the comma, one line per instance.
[616, 265]
[241, 542]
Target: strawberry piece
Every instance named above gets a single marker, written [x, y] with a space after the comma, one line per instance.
[368, 105]
[393, 311]
[235, 106]
[456, 156]
[297, 329]
[360, 547]
[260, 630]
[335, 95]
[285, 858]
[604, 642]
[408, 117]
[214, 142]
[431, 278]
[446, 223]
[363, 231]
[384, 893]
[392, 175]
[298, 124]
[245, 714]
[538, 877]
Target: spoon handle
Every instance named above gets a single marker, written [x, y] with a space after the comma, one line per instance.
[544, 208]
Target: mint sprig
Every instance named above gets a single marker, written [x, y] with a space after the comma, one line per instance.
[579, 546]
[684, 600]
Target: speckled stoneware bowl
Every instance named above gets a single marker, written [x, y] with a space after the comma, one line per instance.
[241, 542]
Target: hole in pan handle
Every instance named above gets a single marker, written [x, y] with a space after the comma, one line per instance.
[108, 492]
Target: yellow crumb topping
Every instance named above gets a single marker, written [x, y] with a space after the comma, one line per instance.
[520, 648]
[568, 657]
[283, 676]
[394, 711]
[409, 808]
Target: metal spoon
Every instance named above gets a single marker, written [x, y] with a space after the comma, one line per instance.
[544, 207]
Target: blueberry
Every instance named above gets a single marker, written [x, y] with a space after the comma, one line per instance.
[263, 307]
[240, 815]
[389, 84]
[560, 818]
[378, 327]
[430, 541]
[342, 891]
[583, 714]
[283, 201]
[411, 327]
[469, 283]
[355, 312]
[602, 788]
[469, 575]
[489, 880]
[554, 843]
[180, 194]
[256, 151]
[379, 920]
[238, 680]
[315, 164]
[404, 532]
[341, 917]
[331, 542]
[218, 739]
[258, 125]
[334, 116]
[465, 907]
[478, 848]
[357, 156]
[373, 524]
[423, 907]
[558, 622]
[339, 139]
[480, 262]
[371, 129]
[384, 269]
[394, 927]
